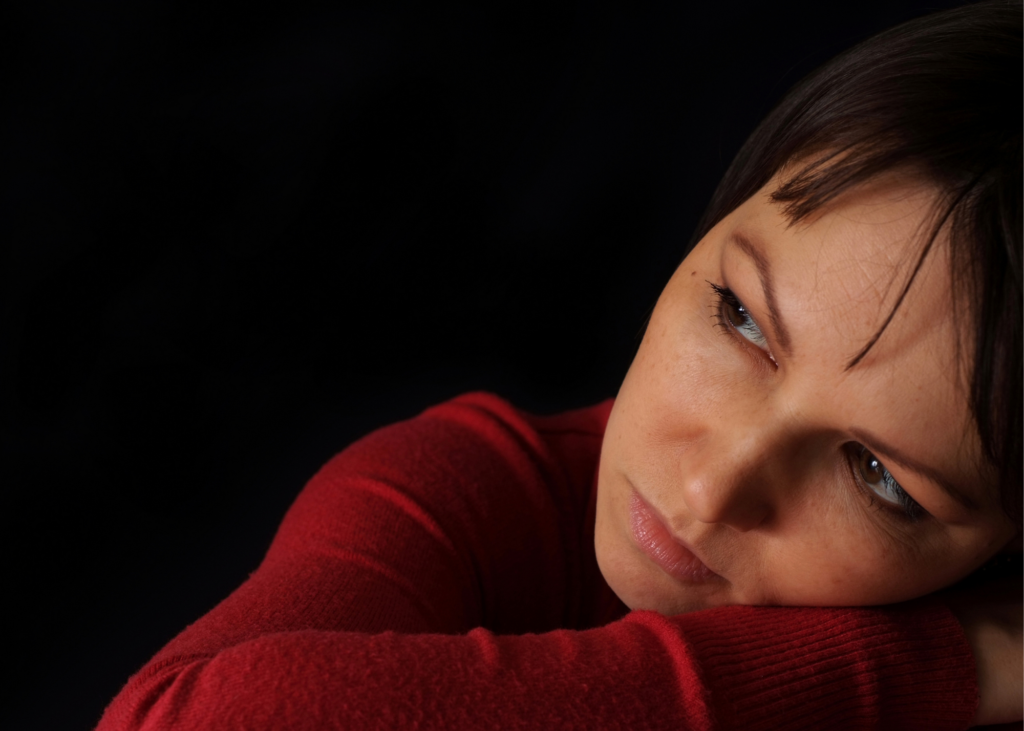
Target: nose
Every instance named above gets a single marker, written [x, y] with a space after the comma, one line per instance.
[734, 479]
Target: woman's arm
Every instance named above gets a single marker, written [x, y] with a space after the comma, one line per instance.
[729, 668]
[421, 576]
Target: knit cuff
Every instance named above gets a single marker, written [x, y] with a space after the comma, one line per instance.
[899, 667]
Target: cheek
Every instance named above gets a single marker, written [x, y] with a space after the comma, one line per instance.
[842, 559]
[682, 351]
[681, 370]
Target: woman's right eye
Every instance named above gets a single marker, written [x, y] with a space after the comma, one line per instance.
[730, 311]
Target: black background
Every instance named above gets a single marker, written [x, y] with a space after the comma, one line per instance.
[237, 237]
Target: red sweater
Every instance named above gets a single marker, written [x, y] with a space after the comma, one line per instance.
[440, 573]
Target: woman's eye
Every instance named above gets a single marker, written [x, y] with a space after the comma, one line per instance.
[873, 475]
[732, 311]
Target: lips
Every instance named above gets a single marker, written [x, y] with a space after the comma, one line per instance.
[653, 537]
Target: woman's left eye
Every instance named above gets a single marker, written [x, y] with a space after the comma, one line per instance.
[730, 310]
[873, 475]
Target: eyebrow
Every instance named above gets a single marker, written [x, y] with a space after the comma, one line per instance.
[764, 273]
[892, 454]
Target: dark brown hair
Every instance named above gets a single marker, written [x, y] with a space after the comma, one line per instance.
[939, 96]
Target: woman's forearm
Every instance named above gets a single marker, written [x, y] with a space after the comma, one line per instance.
[735, 667]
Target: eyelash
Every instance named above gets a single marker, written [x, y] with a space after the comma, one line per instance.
[903, 506]
[749, 329]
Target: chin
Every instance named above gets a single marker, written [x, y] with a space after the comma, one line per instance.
[644, 587]
[662, 602]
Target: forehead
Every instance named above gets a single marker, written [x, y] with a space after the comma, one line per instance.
[846, 266]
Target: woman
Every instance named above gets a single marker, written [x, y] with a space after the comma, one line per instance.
[823, 417]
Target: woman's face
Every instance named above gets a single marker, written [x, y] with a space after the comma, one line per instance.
[744, 463]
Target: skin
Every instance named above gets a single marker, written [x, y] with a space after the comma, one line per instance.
[991, 618]
[747, 448]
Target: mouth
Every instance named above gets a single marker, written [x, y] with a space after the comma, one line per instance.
[673, 556]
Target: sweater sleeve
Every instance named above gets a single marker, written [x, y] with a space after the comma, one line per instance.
[434, 575]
